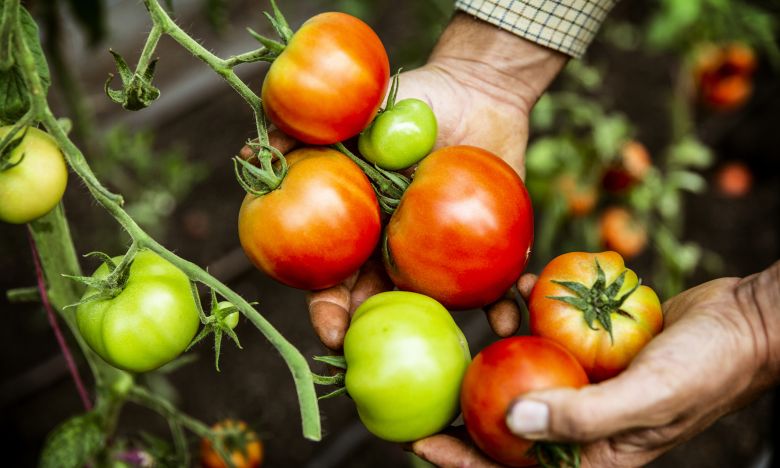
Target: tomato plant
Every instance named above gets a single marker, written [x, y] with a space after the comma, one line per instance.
[317, 227]
[463, 230]
[329, 81]
[498, 375]
[622, 232]
[405, 361]
[632, 166]
[596, 308]
[146, 324]
[35, 179]
[241, 442]
[400, 136]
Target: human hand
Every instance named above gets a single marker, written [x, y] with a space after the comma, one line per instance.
[719, 351]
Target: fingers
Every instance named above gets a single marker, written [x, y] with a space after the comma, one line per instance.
[503, 317]
[328, 311]
[372, 280]
[279, 140]
[526, 284]
[449, 452]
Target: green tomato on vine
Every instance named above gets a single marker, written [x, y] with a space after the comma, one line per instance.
[401, 135]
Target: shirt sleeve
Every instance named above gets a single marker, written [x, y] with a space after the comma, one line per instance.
[568, 26]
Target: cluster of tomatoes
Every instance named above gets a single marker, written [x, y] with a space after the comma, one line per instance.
[723, 74]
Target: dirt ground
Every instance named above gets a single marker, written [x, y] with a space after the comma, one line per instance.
[254, 385]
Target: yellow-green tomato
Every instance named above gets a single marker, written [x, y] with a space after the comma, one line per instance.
[400, 136]
[33, 187]
[406, 359]
[149, 323]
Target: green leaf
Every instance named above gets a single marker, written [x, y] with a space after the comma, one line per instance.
[34, 42]
[690, 152]
[541, 158]
[73, 443]
[543, 113]
[687, 180]
[609, 134]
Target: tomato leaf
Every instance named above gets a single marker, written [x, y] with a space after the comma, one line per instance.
[73, 443]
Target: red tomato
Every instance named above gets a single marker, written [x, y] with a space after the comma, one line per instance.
[723, 74]
[622, 319]
[317, 227]
[497, 376]
[463, 230]
[734, 179]
[631, 168]
[327, 84]
[621, 232]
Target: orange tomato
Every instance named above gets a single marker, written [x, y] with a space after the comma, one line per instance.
[621, 232]
[734, 179]
[580, 198]
[242, 443]
[724, 74]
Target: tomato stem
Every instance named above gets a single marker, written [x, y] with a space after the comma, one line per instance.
[389, 186]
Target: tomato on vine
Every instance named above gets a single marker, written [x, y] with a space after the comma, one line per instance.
[239, 441]
[147, 322]
[33, 175]
[595, 307]
[622, 232]
[405, 360]
[462, 232]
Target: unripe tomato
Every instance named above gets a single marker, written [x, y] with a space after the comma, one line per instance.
[149, 323]
[501, 373]
[329, 81]
[463, 230]
[621, 232]
[400, 136]
[405, 362]
[33, 187]
[241, 442]
[318, 227]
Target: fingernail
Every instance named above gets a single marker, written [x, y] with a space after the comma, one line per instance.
[528, 418]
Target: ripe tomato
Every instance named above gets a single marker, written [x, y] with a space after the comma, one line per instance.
[595, 307]
[33, 187]
[723, 74]
[634, 164]
[405, 362]
[580, 198]
[621, 232]
[734, 179]
[463, 230]
[149, 323]
[498, 375]
[400, 136]
[241, 442]
[329, 81]
[317, 227]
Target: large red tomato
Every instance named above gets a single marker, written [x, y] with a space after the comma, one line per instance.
[317, 227]
[463, 230]
[595, 307]
[328, 83]
[497, 376]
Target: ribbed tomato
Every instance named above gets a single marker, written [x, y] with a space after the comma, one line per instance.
[328, 83]
[463, 230]
[317, 227]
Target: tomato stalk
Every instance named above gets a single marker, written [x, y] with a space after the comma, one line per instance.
[556, 455]
[389, 186]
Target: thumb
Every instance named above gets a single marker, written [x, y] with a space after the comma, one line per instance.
[636, 398]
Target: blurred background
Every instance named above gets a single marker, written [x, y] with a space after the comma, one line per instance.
[660, 144]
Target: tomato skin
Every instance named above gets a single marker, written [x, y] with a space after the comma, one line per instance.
[463, 230]
[317, 227]
[328, 83]
[501, 373]
[243, 444]
[400, 136]
[405, 362]
[149, 323]
[35, 186]
[621, 232]
[563, 323]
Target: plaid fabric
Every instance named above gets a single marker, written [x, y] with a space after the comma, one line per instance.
[568, 26]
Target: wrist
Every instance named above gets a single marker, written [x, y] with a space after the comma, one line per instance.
[495, 61]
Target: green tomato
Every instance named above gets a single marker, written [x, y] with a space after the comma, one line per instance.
[33, 187]
[149, 323]
[406, 359]
[231, 319]
[400, 136]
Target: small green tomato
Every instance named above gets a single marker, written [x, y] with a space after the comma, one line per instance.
[231, 319]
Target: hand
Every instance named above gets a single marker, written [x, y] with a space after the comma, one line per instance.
[720, 350]
[481, 83]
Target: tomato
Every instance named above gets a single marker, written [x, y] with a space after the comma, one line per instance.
[328, 83]
[498, 375]
[317, 227]
[400, 136]
[241, 442]
[723, 74]
[734, 179]
[604, 319]
[35, 186]
[149, 323]
[405, 362]
[580, 198]
[463, 230]
[631, 168]
[621, 232]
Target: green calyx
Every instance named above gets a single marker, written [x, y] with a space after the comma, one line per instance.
[271, 48]
[222, 320]
[336, 379]
[8, 145]
[264, 177]
[556, 455]
[599, 301]
[391, 96]
[111, 285]
[137, 90]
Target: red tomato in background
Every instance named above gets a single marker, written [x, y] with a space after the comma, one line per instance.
[328, 83]
[631, 168]
[497, 376]
[633, 323]
[317, 227]
[622, 232]
[463, 230]
[734, 179]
